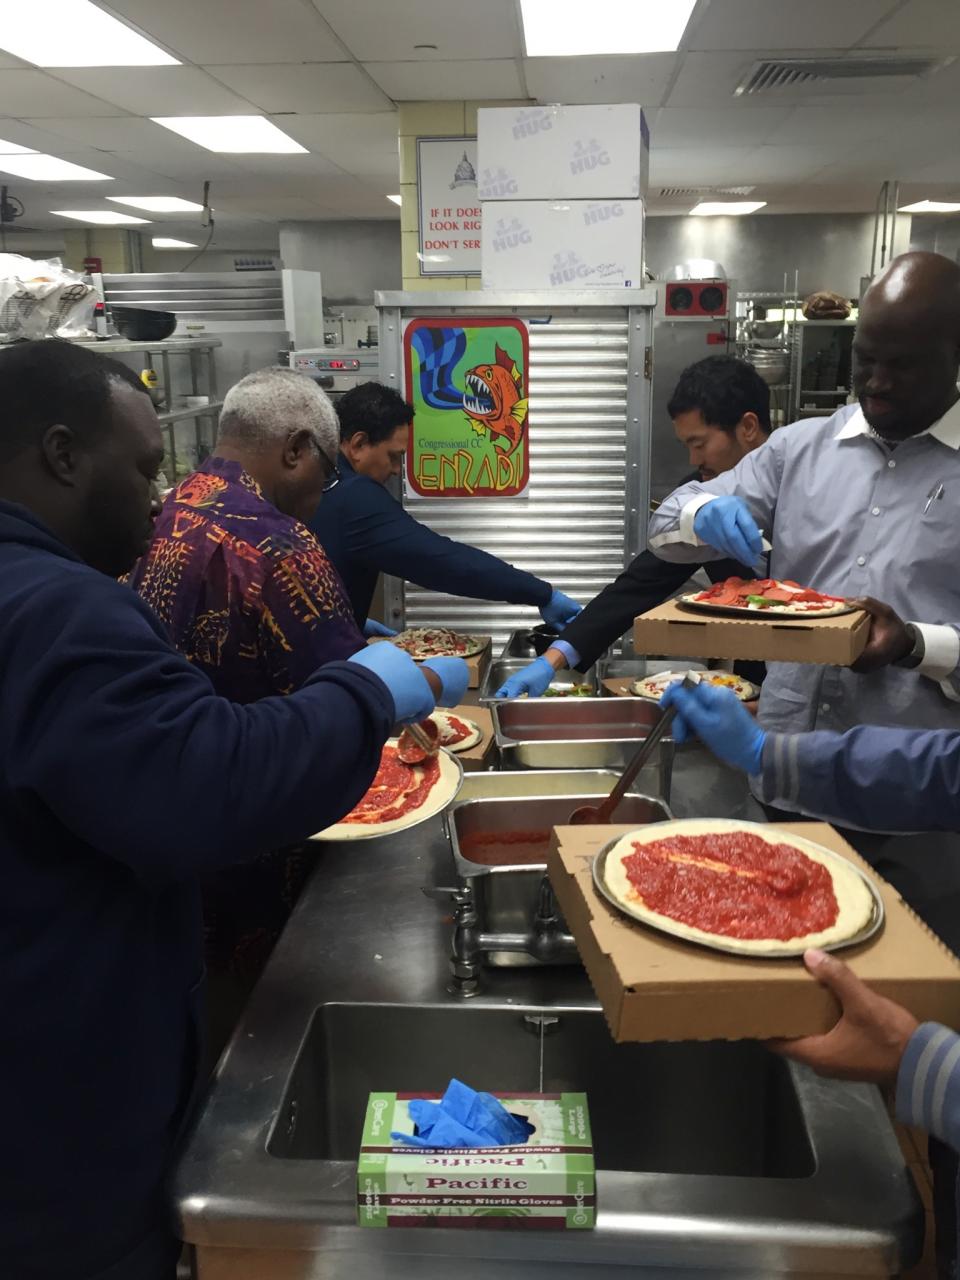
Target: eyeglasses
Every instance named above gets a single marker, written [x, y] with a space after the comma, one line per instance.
[333, 480]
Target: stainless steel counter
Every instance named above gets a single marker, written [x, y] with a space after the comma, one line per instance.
[715, 1159]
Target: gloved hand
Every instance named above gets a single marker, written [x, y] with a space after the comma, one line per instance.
[726, 524]
[453, 674]
[374, 628]
[560, 610]
[413, 698]
[719, 718]
[531, 680]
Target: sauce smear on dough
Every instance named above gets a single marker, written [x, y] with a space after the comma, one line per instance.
[397, 789]
[733, 884]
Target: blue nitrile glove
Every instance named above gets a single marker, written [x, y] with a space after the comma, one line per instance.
[531, 680]
[560, 610]
[374, 628]
[413, 698]
[463, 1118]
[726, 524]
[718, 718]
[454, 676]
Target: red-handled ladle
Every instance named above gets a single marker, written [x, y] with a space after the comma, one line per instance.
[418, 741]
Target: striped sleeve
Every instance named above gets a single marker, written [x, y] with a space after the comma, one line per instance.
[928, 1083]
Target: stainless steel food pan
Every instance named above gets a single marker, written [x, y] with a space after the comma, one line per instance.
[504, 667]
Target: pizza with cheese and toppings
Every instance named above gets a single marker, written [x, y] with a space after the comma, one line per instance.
[399, 796]
[767, 596]
[436, 642]
[655, 686]
[739, 886]
[456, 732]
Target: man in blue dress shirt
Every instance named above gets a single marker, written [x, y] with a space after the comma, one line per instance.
[365, 531]
[864, 503]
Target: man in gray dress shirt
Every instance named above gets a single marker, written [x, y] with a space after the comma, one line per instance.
[864, 503]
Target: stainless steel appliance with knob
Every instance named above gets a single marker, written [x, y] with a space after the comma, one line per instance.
[337, 369]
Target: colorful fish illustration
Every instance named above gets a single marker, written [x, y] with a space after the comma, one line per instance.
[493, 403]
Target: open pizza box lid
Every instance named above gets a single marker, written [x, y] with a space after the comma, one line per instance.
[669, 629]
[477, 758]
[654, 987]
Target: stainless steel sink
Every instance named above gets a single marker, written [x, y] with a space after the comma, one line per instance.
[726, 1110]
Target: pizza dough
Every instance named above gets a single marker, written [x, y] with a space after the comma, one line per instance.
[440, 795]
[786, 599]
[444, 720]
[855, 902]
[436, 642]
[655, 686]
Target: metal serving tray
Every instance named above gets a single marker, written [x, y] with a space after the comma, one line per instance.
[504, 667]
[579, 733]
[506, 897]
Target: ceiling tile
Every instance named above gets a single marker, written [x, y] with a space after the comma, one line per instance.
[233, 31]
[300, 167]
[709, 79]
[785, 24]
[381, 30]
[787, 164]
[112, 133]
[311, 87]
[857, 124]
[273, 206]
[686, 167]
[155, 91]
[410, 81]
[920, 24]
[725, 126]
[642, 77]
[34, 93]
[363, 145]
[198, 166]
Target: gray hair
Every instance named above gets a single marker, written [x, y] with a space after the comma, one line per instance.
[268, 404]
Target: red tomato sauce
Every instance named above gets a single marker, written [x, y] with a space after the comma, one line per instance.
[456, 732]
[397, 789]
[734, 884]
[505, 848]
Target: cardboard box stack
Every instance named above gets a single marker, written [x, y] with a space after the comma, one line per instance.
[563, 192]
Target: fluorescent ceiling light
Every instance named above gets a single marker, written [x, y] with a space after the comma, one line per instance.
[929, 206]
[41, 168]
[101, 217]
[712, 208]
[14, 149]
[75, 33]
[168, 242]
[254, 134]
[159, 204]
[564, 28]
[396, 199]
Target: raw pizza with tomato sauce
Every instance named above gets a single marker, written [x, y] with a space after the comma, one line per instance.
[767, 596]
[399, 796]
[737, 886]
[435, 642]
[456, 732]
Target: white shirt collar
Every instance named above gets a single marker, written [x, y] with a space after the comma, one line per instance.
[946, 430]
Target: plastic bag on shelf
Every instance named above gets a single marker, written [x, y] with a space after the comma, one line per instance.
[42, 299]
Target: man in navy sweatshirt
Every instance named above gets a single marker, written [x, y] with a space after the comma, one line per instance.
[365, 531]
[122, 777]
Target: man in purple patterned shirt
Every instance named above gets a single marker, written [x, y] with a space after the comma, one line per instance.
[249, 596]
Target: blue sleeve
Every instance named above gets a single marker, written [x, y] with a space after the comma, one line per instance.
[385, 537]
[128, 746]
[885, 779]
[928, 1083]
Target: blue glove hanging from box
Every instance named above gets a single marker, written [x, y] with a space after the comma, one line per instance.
[463, 1118]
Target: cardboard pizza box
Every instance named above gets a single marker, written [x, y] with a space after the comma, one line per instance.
[670, 630]
[656, 987]
[477, 664]
[479, 758]
[618, 686]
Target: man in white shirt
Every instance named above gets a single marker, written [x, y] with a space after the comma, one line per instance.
[865, 503]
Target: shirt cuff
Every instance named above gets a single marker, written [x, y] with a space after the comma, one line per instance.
[684, 533]
[928, 1074]
[568, 651]
[941, 651]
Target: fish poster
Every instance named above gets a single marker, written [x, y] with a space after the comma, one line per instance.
[467, 382]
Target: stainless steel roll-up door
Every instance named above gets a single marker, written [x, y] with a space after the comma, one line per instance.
[589, 452]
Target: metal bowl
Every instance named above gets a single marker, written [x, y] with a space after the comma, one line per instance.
[142, 324]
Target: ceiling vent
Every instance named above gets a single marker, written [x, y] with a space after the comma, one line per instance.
[681, 193]
[734, 191]
[853, 71]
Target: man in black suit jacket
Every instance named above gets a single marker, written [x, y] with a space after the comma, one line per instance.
[720, 411]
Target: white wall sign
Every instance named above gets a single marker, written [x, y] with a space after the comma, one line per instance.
[449, 207]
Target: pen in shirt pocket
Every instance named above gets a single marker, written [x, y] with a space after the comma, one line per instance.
[935, 493]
